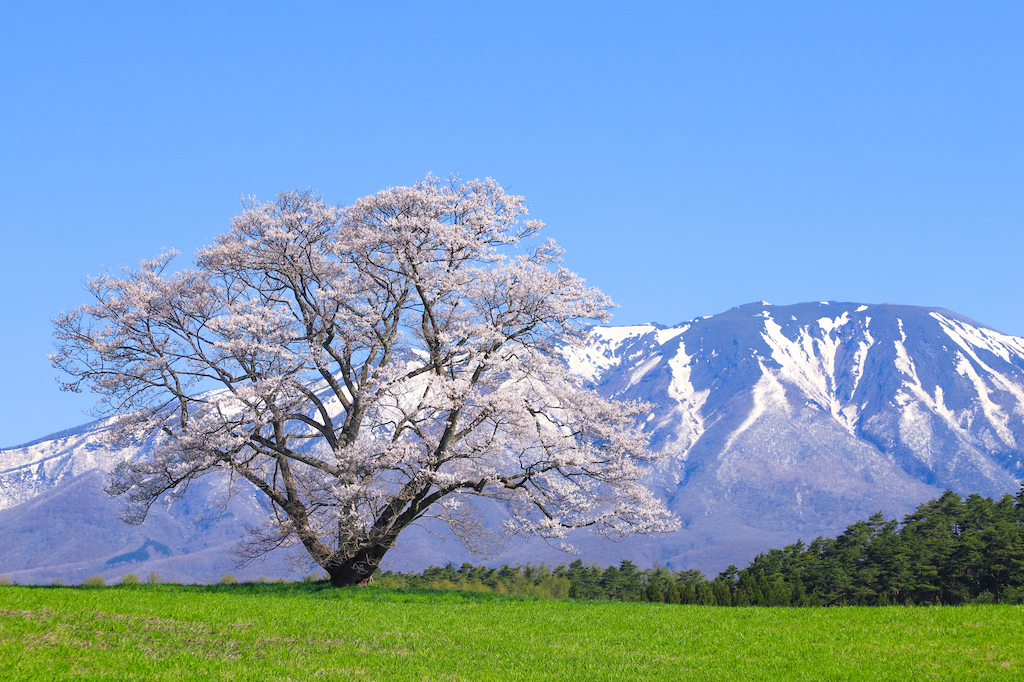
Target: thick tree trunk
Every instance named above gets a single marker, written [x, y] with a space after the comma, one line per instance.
[357, 569]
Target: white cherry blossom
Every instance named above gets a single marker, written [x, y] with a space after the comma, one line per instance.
[365, 367]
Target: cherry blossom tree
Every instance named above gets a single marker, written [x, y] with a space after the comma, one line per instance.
[364, 368]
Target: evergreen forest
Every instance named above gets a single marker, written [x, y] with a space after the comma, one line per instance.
[950, 550]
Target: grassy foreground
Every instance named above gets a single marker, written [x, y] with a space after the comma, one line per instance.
[309, 632]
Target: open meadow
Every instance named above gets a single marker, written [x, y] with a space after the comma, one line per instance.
[307, 631]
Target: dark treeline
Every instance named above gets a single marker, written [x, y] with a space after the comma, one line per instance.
[950, 550]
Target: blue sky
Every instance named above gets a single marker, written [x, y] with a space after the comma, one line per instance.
[690, 157]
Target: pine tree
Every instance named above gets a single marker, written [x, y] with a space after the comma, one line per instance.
[653, 594]
[672, 595]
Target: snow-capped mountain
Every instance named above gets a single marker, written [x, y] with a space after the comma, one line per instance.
[782, 422]
[793, 421]
[34, 468]
[930, 393]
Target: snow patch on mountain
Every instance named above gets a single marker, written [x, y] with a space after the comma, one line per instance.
[601, 351]
[689, 402]
[768, 393]
[993, 414]
[29, 470]
[861, 355]
[642, 369]
[809, 363]
[1007, 348]
[663, 336]
[829, 324]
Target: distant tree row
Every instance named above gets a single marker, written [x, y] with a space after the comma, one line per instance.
[951, 550]
[625, 582]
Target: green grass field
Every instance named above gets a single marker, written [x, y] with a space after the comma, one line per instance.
[309, 632]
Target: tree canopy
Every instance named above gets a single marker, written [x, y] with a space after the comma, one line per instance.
[365, 367]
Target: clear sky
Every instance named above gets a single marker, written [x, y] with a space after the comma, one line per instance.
[689, 156]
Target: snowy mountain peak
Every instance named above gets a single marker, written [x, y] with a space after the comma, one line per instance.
[857, 365]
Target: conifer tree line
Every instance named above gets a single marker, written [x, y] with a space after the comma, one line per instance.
[950, 550]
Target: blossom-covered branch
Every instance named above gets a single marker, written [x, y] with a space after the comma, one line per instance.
[365, 367]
